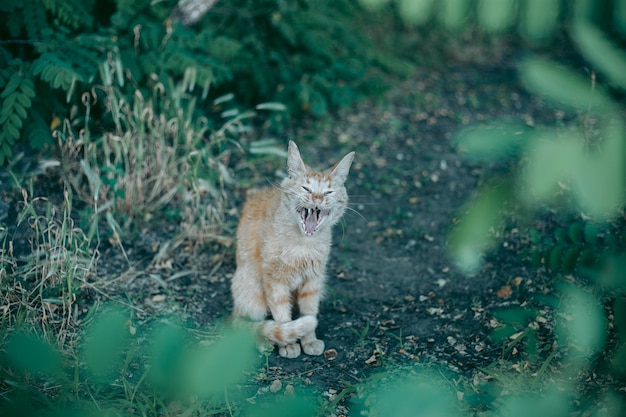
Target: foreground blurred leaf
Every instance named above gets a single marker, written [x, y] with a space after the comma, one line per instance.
[619, 16]
[493, 143]
[562, 86]
[284, 407]
[373, 5]
[33, 355]
[496, 15]
[603, 54]
[425, 395]
[551, 162]
[475, 233]
[105, 341]
[553, 404]
[540, 19]
[415, 12]
[209, 370]
[583, 327]
[168, 355]
[454, 13]
[598, 182]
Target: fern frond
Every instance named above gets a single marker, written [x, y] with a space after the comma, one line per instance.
[63, 68]
[208, 69]
[73, 13]
[37, 131]
[16, 100]
[56, 72]
[36, 24]
[12, 20]
[127, 10]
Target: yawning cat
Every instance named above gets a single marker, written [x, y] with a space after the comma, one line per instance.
[283, 242]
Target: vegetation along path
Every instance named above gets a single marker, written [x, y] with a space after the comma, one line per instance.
[404, 328]
[395, 300]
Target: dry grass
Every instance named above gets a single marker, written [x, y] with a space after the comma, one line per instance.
[40, 284]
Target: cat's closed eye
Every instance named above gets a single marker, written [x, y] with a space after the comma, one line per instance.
[328, 192]
[307, 189]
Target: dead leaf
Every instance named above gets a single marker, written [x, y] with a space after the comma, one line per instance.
[505, 291]
[330, 354]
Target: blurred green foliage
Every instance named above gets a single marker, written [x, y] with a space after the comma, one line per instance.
[577, 170]
[159, 369]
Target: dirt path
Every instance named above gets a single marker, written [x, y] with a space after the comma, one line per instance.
[394, 296]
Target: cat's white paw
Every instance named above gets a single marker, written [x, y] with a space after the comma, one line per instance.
[289, 351]
[313, 347]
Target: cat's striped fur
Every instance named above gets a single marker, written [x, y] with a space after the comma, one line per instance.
[283, 243]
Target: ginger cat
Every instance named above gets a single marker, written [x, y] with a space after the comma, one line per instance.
[283, 242]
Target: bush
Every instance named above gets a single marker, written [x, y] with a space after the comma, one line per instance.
[307, 54]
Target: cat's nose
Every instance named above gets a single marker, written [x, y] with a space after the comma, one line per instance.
[317, 198]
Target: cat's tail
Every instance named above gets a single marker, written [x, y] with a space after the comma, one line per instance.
[286, 333]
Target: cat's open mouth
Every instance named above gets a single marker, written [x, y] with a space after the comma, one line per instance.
[311, 219]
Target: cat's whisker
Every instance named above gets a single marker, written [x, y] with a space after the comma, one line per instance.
[350, 209]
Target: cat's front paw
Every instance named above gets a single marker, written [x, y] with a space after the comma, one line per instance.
[289, 351]
[313, 347]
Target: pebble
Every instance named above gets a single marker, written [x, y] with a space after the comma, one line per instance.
[276, 386]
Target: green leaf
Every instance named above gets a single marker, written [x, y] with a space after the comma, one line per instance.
[562, 86]
[540, 19]
[105, 341]
[576, 233]
[33, 355]
[12, 85]
[598, 181]
[415, 12]
[591, 233]
[551, 162]
[27, 87]
[619, 16]
[206, 373]
[496, 15]
[168, 356]
[453, 13]
[426, 394]
[552, 403]
[554, 258]
[284, 407]
[496, 142]
[561, 235]
[603, 54]
[11, 133]
[570, 257]
[519, 316]
[474, 234]
[584, 324]
[373, 5]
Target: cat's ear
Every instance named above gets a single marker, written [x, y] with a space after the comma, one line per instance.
[295, 164]
[339, 172]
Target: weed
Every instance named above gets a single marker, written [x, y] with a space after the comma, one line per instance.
[362, 334]
[397, 337]
[41, 285]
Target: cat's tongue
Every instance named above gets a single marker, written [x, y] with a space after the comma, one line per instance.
[311, 218]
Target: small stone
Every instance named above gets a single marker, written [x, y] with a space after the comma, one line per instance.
[290, 391]
[276, 386]
[158, 298]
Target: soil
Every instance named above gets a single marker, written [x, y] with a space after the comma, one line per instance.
[394, 294]
[395, 297]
